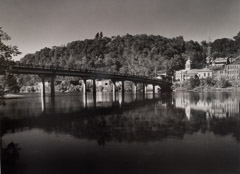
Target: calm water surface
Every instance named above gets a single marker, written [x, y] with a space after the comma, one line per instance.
[169, 133]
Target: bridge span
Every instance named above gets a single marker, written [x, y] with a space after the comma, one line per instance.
[85, 74]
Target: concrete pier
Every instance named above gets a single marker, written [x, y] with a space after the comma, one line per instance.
[94, 93]
[123, 90]
[143, 90]
[123, 87]
[84, 86]
[134, 87]
[114, 90]
[153, 90]
[43, 93]
[52, 87]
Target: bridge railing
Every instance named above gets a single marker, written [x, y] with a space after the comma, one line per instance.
[52, 67]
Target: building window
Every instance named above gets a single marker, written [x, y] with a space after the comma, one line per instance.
[204, 74]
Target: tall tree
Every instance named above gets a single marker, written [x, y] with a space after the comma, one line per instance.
[6, 53]
[97, 36]
[101, 35]
[134, 54]
[237, 43]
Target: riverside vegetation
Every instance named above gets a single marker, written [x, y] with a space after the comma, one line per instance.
[208, 84]
[6, 53]
[134, 54]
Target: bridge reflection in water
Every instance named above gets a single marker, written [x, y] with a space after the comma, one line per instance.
[139, 135]
[156, 111]
[101, 99]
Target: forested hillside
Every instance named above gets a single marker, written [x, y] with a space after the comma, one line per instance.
[137, 54]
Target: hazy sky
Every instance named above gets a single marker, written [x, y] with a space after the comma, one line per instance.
[35, 24]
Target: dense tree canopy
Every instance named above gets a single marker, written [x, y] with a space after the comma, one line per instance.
[6, 53]
[226, 47]
[135, 54]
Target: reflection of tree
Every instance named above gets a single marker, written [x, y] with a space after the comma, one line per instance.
[198, 122]
[151, 122]
[10, 154]
[146, 120]
[226, 126]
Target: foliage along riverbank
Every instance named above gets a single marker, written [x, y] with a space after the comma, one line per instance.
[134, 54]
[209, 89]
[208, 84]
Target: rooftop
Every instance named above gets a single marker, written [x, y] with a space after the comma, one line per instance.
[194, 71]
[199, 70]
[221, 59]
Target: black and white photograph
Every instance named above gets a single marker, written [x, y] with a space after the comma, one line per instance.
[120, 86]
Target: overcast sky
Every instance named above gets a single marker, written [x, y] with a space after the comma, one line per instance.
[35, 24]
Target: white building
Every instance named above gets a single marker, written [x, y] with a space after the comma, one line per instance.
[230, 72]
[188, 73]
[221, 61]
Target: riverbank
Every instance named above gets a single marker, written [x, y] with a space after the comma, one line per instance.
[209, 89]
[13, 96]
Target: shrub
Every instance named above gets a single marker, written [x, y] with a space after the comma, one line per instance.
[209, 81]
[223, 83]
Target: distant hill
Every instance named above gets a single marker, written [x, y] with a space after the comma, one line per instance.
[136, 54]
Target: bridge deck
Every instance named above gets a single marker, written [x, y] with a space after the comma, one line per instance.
[86, 74]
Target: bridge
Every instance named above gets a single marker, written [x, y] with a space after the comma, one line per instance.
[86, 74]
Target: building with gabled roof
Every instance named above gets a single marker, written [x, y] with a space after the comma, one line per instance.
[187, 73]
[229, 72]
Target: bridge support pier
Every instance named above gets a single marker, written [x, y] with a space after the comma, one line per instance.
[84, 92]
[123, 87]
[85, 100]
[134, 87]
[43, 93]
[144, 90]
[114, 90]
[123, 90]
[52, 87]
[94, 86]
[94, 93]
[84, 84]
[153, 91]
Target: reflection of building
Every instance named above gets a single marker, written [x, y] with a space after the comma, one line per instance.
[188, 73]
[188, 112]
[182, 100]
[218, 108]
[226, 108]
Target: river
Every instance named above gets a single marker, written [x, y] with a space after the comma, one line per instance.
[167, 133]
